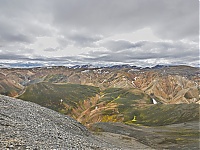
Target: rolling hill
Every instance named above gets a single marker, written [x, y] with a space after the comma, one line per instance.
[59, 97]
[89, 104]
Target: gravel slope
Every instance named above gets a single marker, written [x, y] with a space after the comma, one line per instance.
[25, 125]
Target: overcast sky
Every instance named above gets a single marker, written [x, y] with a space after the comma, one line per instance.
[62, 32]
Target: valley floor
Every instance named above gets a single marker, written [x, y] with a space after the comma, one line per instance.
[123, 141]
[183, 136]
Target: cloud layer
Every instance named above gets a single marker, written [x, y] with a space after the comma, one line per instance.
[93, 31]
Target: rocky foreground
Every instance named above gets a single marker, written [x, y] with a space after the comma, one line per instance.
[25, 125]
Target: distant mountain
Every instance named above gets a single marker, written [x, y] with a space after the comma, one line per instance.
[172, 84]
[123, 66]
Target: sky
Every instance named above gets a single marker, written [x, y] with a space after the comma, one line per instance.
[99, 32]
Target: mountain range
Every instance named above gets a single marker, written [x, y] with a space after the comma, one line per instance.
[152, 96]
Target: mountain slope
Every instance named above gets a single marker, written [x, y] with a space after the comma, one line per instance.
[110, 106]
[58, 96]
[162, 114]
[87, 104]
[167, 84]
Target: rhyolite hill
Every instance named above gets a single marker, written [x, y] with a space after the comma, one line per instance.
[109, 94]
[168, 84]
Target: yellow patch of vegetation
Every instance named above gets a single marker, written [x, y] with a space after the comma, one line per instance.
[134, 119]
[108, 118]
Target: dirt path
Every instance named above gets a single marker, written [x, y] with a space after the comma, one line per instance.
[123, 141]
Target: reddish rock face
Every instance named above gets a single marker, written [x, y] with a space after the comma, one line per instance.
[170, 85]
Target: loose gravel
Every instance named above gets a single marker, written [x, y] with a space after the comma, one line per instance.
[25, 125]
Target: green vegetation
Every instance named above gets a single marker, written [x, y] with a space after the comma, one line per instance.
[55, 78]
[125, 100]
[125, 97]
[9, 89]
[160, 114]
[131, 106]
[50, 95]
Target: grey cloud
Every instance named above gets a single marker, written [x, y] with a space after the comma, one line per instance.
[16, 38]
[84, 40]
[9, 33]
[121, 45]
[12, 56]
[8, 56]
[175, 19]
[50, 49]
[181, 21]
[148, 50]
[63, 42]
[78, 40]
[152, 49]
[22, 22]
[169, 19]
[15, 53]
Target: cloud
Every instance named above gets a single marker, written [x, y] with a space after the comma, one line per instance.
[168, 19]
[145, 50]
[53, 30]
[83, 40]
[9, 33]
[50, 49]
[121, 45]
